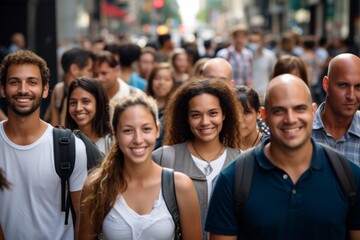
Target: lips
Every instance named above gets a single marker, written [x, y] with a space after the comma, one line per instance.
[138, 150]
[23, 99]
[206, 130]
[80, 116]
[350, 105]
[291, 130]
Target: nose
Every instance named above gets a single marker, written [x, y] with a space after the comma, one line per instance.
[79, 106]
[290, 117]
[22, 87]
[138, 138]
[204, 120]
[350, 94]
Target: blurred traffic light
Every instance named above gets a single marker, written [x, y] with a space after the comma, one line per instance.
[158, 3]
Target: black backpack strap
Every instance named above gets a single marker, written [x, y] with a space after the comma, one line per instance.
[64, 156]
[244, 170]
[169, 194]
[343, 172]
[93, 153]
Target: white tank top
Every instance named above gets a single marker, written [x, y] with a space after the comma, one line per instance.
[124, 223]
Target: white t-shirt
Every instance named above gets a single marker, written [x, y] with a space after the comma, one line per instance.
[125, 90]
[216, 165]
[124, 223]
[31, 208]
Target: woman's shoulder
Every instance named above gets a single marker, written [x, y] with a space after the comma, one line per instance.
[182, 182]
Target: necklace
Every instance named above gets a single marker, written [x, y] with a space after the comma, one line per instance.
[208, 169]
[257, 136]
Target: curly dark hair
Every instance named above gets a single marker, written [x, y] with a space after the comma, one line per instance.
[176, 118]
[21, 57]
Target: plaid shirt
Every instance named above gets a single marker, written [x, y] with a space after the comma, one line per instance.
[349, 144]
[241, 63]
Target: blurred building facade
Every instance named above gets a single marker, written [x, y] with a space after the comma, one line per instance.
[328, 18]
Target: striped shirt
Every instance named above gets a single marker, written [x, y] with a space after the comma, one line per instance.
[241, 63]
[348, 144]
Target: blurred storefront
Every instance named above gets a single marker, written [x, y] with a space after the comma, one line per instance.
[329, 18]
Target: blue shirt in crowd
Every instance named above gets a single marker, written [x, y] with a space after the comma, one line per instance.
[349, 144]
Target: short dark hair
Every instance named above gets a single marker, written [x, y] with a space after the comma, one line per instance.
[77, 56]
[107, 57]
[112, 47]
[24, 57]
[101, 121]
[163, 38]
[248, 98]
[129, 53]
[207, 44]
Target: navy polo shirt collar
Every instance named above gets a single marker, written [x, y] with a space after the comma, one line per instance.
[265, 163]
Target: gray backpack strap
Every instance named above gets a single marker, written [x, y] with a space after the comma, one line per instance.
[169, 194]
[167, 158]
[244, 170]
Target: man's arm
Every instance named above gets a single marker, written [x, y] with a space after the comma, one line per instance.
[75, 198]
[354, 235]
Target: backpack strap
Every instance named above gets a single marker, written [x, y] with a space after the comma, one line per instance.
[64, 157]
[167, 158]
[244, 170]
[343, 172]
[93, 154]
[169, 195]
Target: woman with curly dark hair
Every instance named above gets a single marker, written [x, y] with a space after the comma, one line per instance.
[202, 128]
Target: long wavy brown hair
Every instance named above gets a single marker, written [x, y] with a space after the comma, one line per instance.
[108, 180]
[176, 118]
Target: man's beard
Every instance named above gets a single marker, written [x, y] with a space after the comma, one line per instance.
[21, 112]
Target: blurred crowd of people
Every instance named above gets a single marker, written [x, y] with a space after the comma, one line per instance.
[193, 109]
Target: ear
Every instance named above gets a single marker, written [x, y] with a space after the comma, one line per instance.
[232, 84]
[158, 130]
[45, 91]
[263, 113]
[314, 107]
[325, 84]
[258, 115]
[118, 69]
[74, 69]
